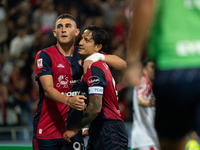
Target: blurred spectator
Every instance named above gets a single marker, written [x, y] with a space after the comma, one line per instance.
[118, 27]
[109, 9]
[20, 44]
[91, 8]
[3, 101]
[125, 104]
[48, 18]
[19, 89]
[6, 69]
[7, 112]
[3, 29]
[98, 21]
[37, 13]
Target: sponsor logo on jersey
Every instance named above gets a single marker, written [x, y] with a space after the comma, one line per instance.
[74, 93]
[39, 63]
[93, 80]
[188, 48]
[62, 81]
[73, 82]
[61, 66]
[65, 82]
[80, 62]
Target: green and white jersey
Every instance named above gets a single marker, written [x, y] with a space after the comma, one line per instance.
[175, 36]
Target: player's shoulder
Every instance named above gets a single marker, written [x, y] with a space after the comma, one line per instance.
[144, 79]
[100, 64]
[47, 50]
[143, 82]
[50, 49]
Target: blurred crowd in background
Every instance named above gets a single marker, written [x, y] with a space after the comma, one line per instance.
[26, 27]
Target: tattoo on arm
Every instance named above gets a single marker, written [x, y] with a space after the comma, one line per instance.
[93, 109]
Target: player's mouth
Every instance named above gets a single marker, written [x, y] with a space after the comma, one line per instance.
[63, 36]
[81, 48]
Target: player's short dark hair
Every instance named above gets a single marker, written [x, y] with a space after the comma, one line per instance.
[98, 35]
[145, 62]
[63, 16]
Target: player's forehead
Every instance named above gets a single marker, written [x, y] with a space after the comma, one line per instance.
[87, 34]
[64, 21]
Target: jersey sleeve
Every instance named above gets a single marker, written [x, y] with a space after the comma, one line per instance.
[141, 89]
[103, 53]
[42, 64]
[95, 80]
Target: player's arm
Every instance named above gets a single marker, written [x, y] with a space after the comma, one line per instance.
[93, 109]
[139, 24]
[76, 102]
[143, 11]
[112, 60]
[115, 62]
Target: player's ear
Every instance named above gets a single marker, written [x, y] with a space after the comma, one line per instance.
[97, 47]
[54, 33]
[77, 32]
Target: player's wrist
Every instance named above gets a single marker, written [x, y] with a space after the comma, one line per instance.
[67, 101]
[96, 57]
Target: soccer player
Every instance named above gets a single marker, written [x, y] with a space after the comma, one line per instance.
[107, 129]
[58, 72]
[171, 31]
[144, 136]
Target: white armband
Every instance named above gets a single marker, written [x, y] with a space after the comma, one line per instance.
[95, 90]
[96, 57]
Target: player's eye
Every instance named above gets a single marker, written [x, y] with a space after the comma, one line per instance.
[58, 26]
[68, 26]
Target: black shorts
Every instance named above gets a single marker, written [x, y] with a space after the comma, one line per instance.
[59, 144]
[110, 135]
[177, 95]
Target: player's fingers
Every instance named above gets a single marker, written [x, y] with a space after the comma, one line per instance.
[80, 108]
[85, 70]
[90, 64]
[82, 97]
[68, 140]
[80, 103]
[65, 136]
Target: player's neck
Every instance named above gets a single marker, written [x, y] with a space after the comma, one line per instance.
[66, 49]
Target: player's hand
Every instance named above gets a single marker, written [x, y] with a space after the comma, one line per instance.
[87, 64]
[69, 134]
[77, 102]
[151, 102]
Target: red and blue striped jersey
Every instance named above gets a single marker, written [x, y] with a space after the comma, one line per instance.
[99, 80]
[50, 119]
